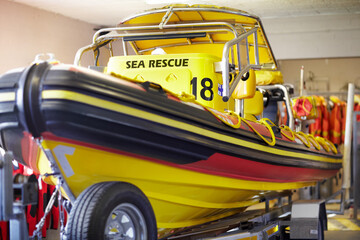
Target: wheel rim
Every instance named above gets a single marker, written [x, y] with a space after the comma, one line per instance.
[125, 222]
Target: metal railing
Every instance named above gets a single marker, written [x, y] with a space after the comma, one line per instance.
[286, 100]
[118, 33]
[228, 90]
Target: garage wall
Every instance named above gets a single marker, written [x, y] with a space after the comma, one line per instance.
[323, 36]
[327, 45]
[27, 31]
[327, 74]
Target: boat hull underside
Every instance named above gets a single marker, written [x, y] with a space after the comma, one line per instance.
[179, 197]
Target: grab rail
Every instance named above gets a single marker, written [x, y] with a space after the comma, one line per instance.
[228, 90]
[286, 100]
[99, 39]
[97, 36]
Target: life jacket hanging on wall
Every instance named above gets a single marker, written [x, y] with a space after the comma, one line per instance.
[316, 127]
[325, 121]
[335, 121]
[343, 120]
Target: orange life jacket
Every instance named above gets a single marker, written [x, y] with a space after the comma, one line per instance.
[335, 124]
[316, 127]
[343, 121]
[302, 107]
[282, 115]
[356, 109]
[325, 121]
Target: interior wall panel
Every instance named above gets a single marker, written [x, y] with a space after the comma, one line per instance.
[27, 31]
[325, 36]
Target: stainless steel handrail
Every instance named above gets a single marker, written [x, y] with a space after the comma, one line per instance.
[168, 26]
[286, 99]
[98, 40]
[121, 35]
[182, 9]
[176, 45]
[81, 51]
[227, 91]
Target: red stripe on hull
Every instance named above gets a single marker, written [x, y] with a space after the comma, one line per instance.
[228, 166]
[246, 169]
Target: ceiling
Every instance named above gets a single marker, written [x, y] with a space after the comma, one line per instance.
[111, 12]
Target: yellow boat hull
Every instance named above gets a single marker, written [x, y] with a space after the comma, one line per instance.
[179, 197]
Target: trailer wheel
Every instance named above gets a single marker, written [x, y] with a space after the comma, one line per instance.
[111, 210]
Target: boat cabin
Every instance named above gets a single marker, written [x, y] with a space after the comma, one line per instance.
[212, 53]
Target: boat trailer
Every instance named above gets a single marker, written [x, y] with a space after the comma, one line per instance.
[303, 219]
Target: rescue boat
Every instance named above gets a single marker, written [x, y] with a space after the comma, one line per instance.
[168, 140]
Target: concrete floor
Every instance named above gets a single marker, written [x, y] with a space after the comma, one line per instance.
[343, 227]
[342, 235]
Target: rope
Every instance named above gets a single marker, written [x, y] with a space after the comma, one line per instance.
[264, 122]
[299, 135]
[317, 142]
[327, 145]
[286, 128]
[314, 142]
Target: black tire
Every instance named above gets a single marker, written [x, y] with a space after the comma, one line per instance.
[92, 210]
